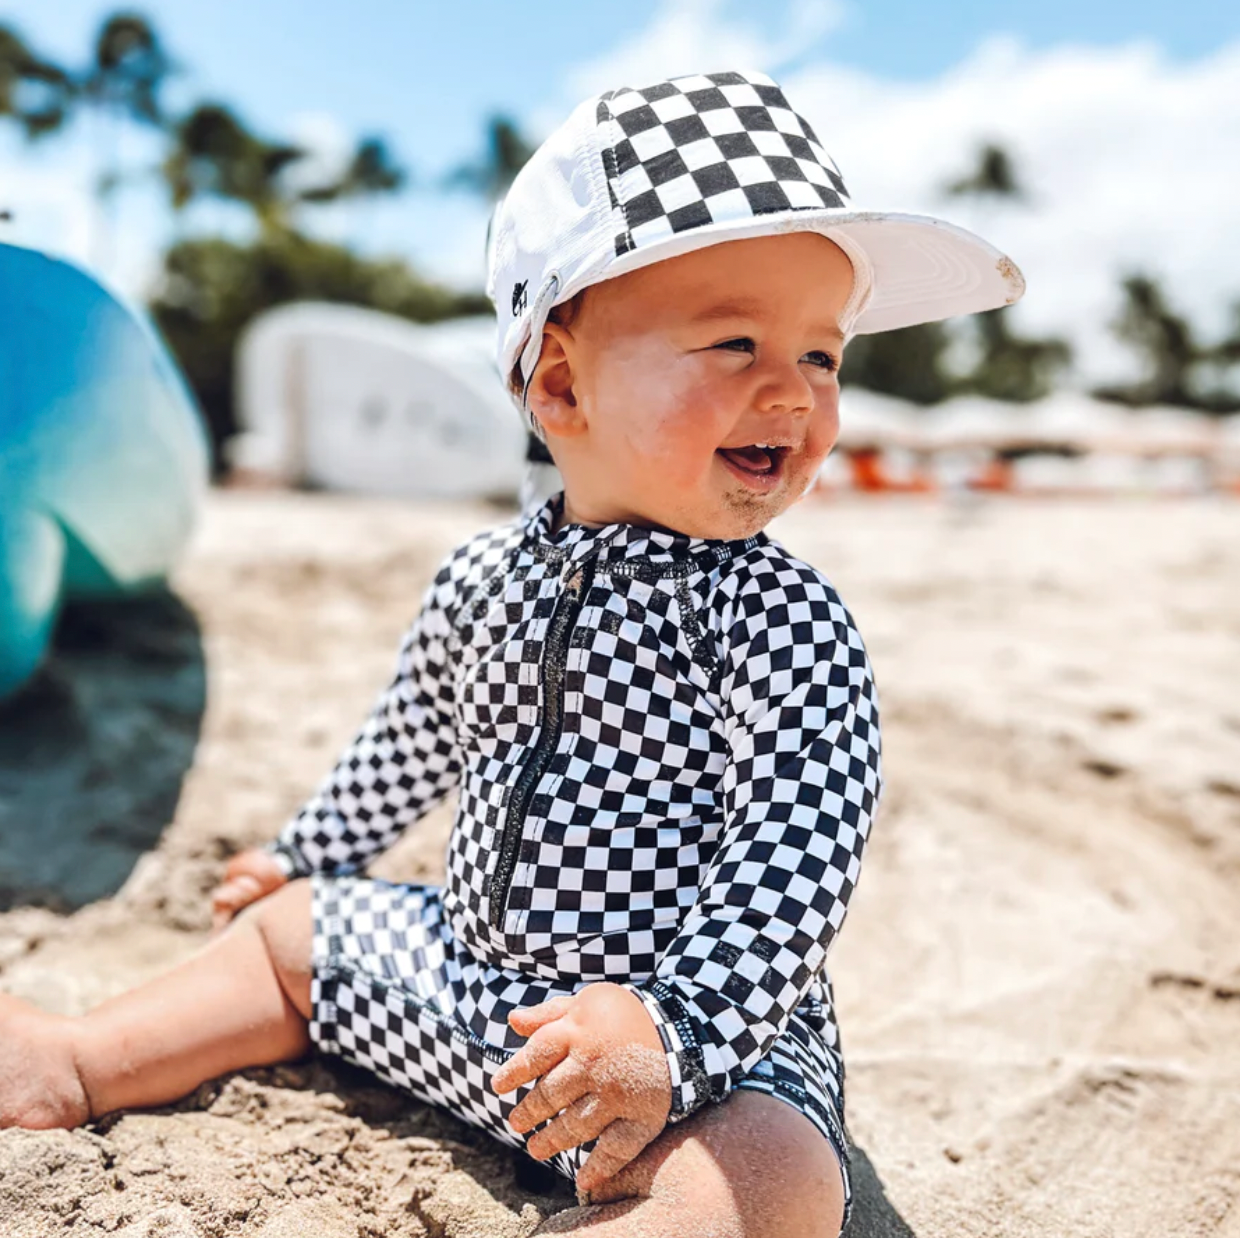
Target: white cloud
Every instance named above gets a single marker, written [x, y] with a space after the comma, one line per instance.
[703, 36]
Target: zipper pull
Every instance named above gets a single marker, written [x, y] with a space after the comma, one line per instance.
[572, 577]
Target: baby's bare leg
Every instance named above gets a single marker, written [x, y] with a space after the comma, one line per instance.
[748, 1167]
[242, 1000]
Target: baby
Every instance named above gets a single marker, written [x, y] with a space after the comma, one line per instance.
[662, 727]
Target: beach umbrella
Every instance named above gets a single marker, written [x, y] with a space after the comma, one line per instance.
[1160, 430]
[972, 423]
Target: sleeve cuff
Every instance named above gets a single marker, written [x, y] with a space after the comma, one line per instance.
[290, 860]
[690, 1083]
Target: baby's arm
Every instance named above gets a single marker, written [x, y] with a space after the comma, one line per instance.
[403, 761]
[801, 786]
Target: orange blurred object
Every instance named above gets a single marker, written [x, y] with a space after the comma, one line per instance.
[869, 474]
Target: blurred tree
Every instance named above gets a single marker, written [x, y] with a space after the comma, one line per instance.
[993, 176]
[119, 84]
[122, 85]
[1223, 363]
[1009, 366]
[211, 288]
[129, 68]
[213, 154]
[1176, 366]
[370, 171]
[507, 152]
[1228, 350]
[35, 93]
[910, 364]
[1013, 367]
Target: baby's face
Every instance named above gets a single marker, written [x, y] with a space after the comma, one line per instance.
[656, 397]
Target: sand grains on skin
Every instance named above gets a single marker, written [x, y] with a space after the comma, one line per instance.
[39, 1084]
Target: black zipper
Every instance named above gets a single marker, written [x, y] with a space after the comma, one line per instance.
[551, 675]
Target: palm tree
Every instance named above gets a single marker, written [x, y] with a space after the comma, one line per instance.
[214, 154]
[1173, 356]
[371, 170]
[34, 92]
[122, 85]
[1010, 366]
[129, 68]
[994, 176]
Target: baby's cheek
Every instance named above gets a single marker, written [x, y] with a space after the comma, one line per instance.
[692, 425]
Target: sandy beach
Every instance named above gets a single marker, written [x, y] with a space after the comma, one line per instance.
[1038, 983]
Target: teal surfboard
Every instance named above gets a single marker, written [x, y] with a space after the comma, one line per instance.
[103, 453]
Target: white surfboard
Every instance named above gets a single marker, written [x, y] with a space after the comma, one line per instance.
[345, 398]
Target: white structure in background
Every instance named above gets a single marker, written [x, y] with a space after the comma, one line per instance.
[1075, 444]
[353, 399]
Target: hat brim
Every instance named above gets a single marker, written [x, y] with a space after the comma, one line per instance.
[923, 269]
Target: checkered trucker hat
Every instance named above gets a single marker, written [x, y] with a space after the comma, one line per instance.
[637, 175]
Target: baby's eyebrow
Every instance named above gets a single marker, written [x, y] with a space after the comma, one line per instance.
[723, 310]
[729, 309]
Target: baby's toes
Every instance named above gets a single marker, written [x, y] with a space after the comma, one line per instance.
[39, 1084]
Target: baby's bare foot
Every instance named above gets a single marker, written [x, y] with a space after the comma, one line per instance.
[39, 1084]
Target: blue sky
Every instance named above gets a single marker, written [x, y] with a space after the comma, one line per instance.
[1124, 119]
[427, 73]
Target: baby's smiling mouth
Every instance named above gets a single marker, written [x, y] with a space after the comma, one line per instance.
[763, 460]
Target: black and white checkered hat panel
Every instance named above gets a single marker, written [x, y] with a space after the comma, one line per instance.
[709, 148]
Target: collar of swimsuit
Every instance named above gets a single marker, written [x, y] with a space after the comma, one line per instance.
[614, 543]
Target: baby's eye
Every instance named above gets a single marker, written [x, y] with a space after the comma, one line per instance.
[744, 342]
[823, 359]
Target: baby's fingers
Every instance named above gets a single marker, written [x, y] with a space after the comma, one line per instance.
[255, 865]
[584, 1119]
[619, 1143]
[229, 898]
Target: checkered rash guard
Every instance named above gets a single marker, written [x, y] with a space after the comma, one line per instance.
[667, 755]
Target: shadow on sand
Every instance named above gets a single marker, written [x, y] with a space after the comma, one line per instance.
[508, 1174]
[874, 1215]
[94, 750]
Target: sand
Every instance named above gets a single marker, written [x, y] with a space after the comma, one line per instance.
[1038, 983]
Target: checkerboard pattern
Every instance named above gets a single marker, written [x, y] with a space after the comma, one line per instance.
[394, 992]
[708, 148]
[696, 834]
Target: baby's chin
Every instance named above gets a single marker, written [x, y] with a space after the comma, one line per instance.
[727, 516]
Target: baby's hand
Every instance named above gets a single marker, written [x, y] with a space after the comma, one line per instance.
[250, 875]
[596, 1055]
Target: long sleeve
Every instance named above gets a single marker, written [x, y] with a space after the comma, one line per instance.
[403, 761]
[800, 787]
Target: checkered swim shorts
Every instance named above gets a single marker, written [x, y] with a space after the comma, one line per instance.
[395, 992]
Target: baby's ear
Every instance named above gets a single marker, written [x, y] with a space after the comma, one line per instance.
[552, 397]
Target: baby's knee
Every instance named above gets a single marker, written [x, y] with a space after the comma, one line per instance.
[284, 919]
[751, 1166]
